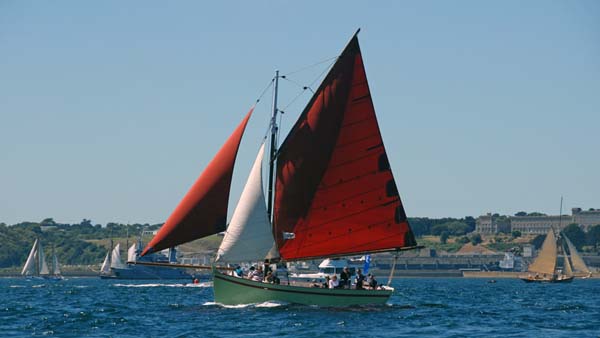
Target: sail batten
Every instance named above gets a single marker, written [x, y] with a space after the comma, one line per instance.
[341, 199]
[203, 210]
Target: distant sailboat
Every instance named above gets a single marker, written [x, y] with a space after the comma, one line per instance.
[36, 266]
[113, 266]
[544, 267]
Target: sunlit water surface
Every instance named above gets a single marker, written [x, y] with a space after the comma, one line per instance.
[89, 307]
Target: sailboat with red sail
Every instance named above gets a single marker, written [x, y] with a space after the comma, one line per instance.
[330, 193]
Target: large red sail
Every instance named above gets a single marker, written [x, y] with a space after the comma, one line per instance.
[203, 210]
[335, 190]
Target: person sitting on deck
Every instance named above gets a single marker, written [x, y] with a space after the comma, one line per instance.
[258, 274]
[360, 278]
[238, 272]
[372, 281]
[252, 272]
[333, 282]
[345, 278]
[326, 284]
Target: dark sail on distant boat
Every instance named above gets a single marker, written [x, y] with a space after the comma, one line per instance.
[334, 182]
[203, 210]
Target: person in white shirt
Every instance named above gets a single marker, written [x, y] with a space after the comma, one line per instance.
[333, 282]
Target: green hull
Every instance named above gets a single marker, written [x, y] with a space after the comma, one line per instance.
[231, 290]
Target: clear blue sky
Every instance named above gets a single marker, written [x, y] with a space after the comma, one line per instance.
[110, 110]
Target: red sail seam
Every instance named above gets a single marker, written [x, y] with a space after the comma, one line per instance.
[354, 160]
[370, 118]
[321, 206]
[349, 180]
[396, 199]
[347, 144]
[351, 248]
[359, 227]
[361, 98]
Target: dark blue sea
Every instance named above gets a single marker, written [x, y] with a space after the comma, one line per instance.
[455, 307]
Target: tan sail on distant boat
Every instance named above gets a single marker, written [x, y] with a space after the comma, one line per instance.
[580, 269]
[544, 267]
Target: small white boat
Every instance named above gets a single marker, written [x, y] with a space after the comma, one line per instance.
[36, 266]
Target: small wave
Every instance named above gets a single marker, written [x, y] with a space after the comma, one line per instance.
[16, 286]
[435, 305]
[270, 304]
[239, 306]
[267, 304]
[38, 286]
[154, 285]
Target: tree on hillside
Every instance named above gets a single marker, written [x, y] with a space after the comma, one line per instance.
[463, 240]
[476, 239]
[521, 213]
[471, 222]
[455, 228]
[444, 237]
[535, 213]
[516, 233]
[575, 234]
[420, 226]
[593, 236]
[48, 221]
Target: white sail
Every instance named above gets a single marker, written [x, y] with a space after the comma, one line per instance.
[116, 257]
[131, 256]
[43, 266]
[249, 236]
[55, 265]
[29, 268]
[545, 262]
[106, 264]
[578, 263]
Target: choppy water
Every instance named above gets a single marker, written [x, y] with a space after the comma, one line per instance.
[86, 307]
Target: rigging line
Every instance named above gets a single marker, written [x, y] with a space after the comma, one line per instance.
[294, 82]
[323, 72]
[294, 99]
[310, 66]
[265, 90]
[304, 88]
